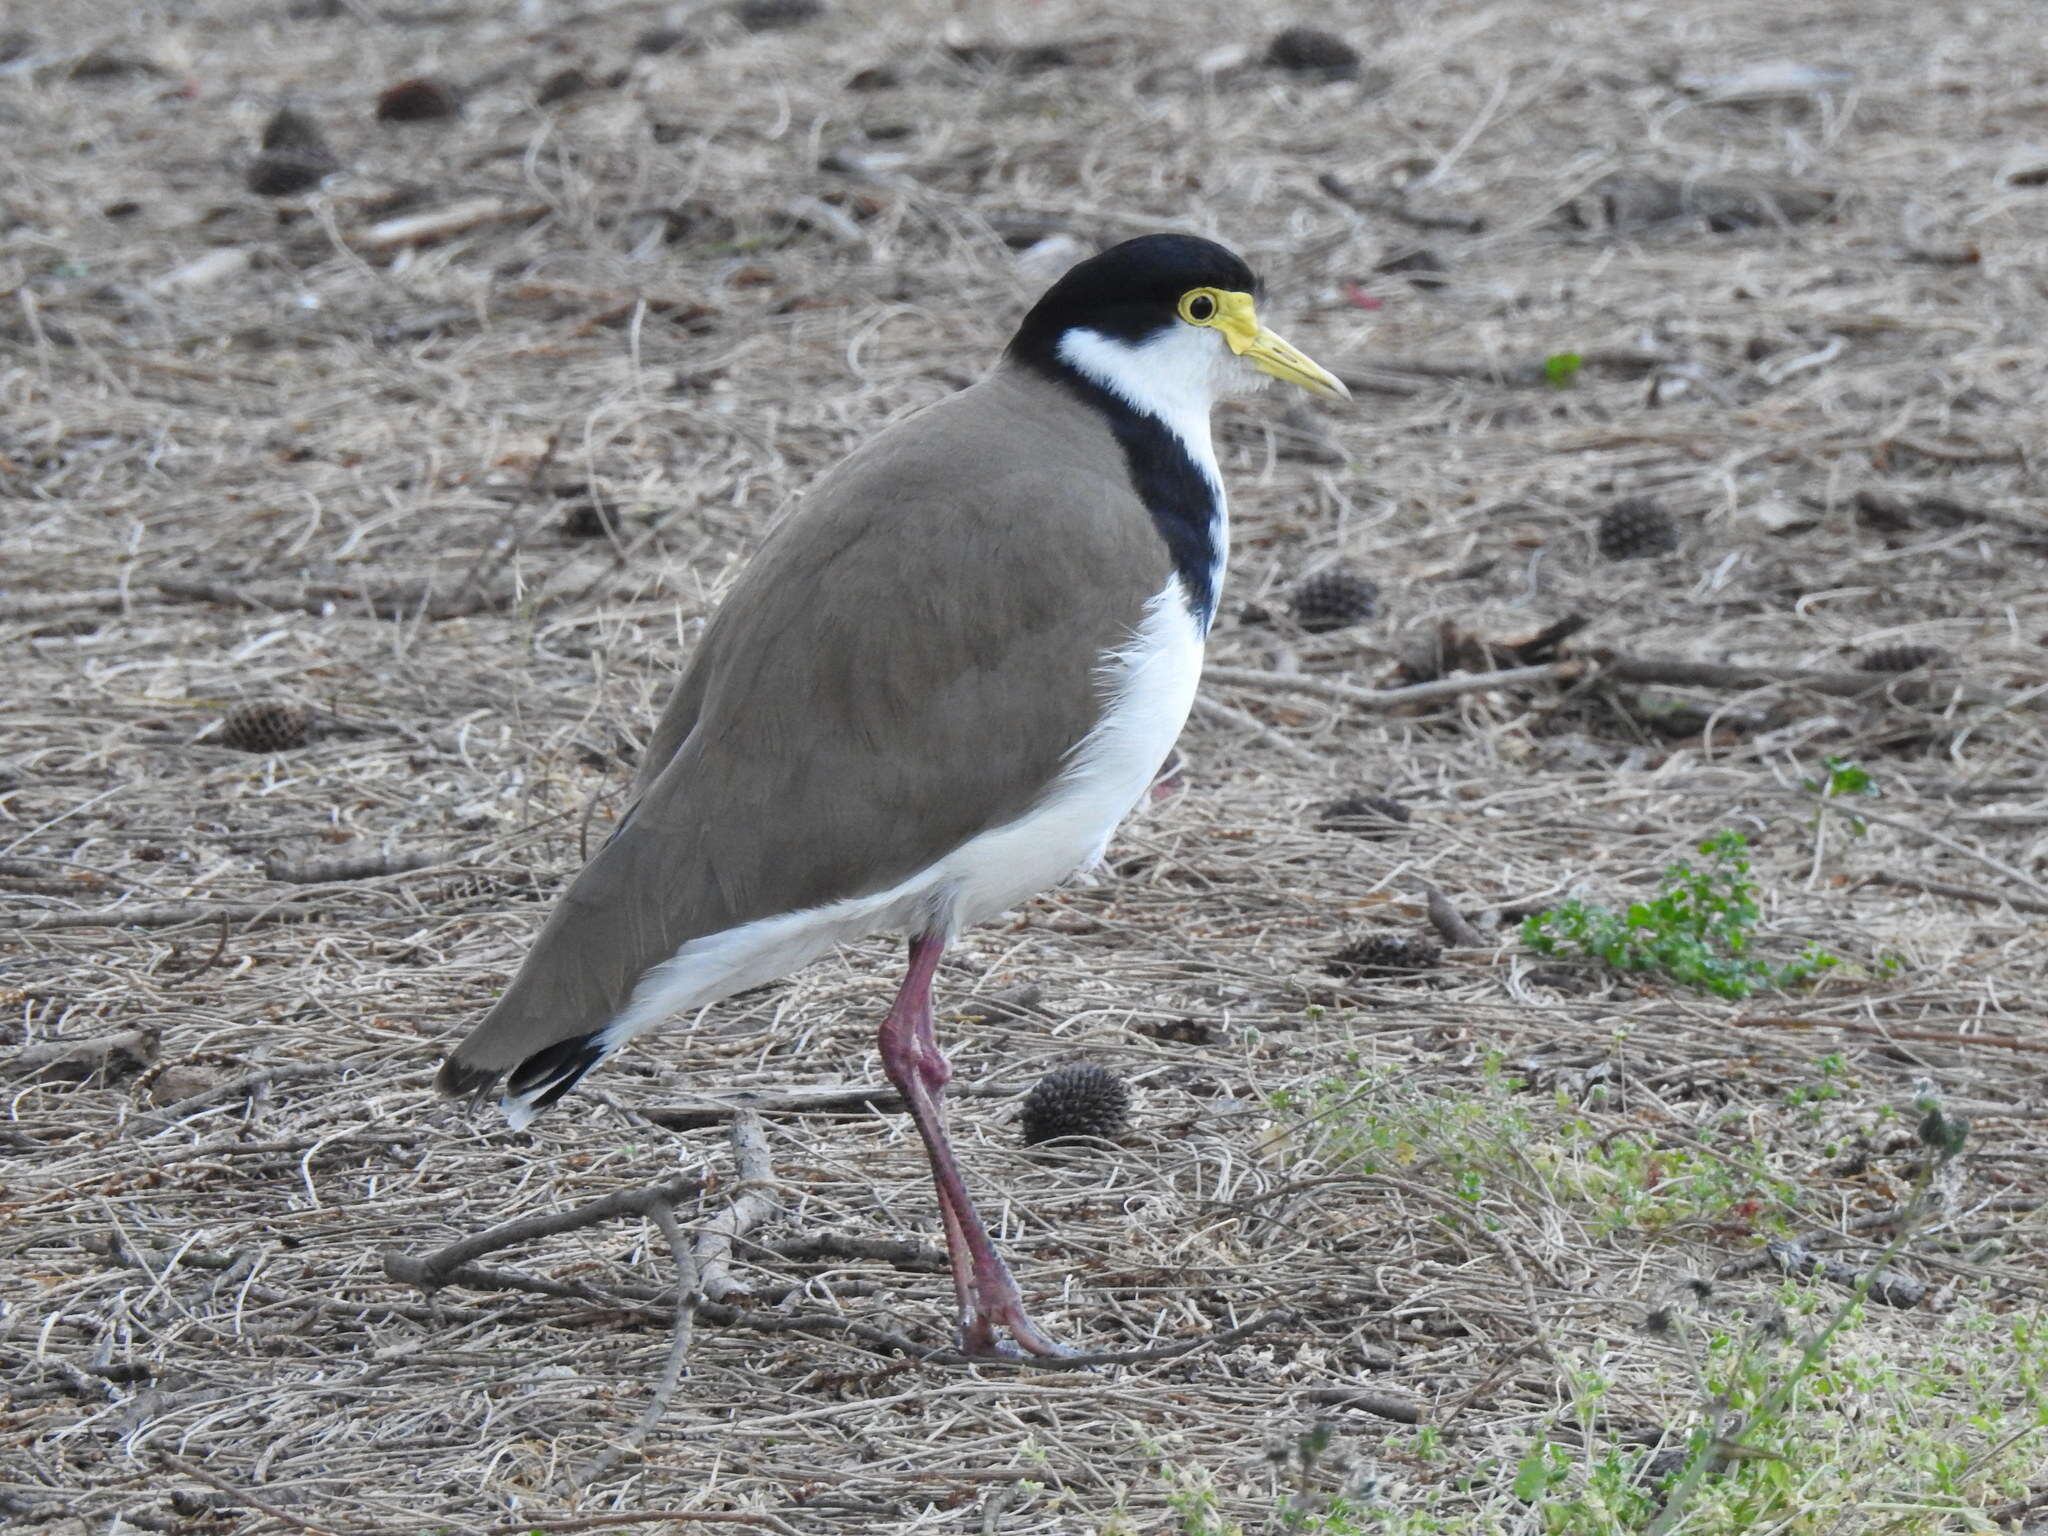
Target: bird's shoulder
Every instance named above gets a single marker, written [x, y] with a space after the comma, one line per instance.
[1013, 461]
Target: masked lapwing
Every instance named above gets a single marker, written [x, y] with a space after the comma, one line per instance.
[934, 692]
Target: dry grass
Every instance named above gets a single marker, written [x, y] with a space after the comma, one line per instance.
[351, 464]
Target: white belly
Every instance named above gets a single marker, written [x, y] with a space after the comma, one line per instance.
[1150, 685]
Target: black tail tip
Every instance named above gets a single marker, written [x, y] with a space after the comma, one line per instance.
[459, 1080]
[541, 1079]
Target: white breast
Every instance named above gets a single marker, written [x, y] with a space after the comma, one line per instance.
[1149, 685]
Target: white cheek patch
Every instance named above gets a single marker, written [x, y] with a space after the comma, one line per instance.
[1174, 376]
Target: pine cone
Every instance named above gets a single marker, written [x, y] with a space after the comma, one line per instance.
[1385, 956]
[281, 172]
[1078, 1100]
[290, 128]
[1363, 813]
[1900, 658]
[1334, 598]
[265, 725]
[418, 100]
[586, 520]
[1635, 529]
[1310, 51]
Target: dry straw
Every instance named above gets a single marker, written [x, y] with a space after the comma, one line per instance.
[318, 449]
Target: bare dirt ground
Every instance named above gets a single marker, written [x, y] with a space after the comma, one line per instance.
[455, 450]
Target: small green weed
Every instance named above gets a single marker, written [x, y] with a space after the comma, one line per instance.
[1767, 1395]
[1198, 1516]
[1561, 369]
[1844, 779]
[1696, 929]
[1830, 1074]
[1490, 1141]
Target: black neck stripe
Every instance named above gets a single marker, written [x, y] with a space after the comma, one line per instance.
[1179, 496]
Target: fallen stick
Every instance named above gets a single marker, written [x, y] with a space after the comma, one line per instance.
[1393, 698]
[172, 914]
[1456, 928]
[1880, 1032]
[687, 1296]
[1402, 1410]
[903, 1252]
[42, 605]
[753, 1203]
[77, 1060]
[440, 223]
[386, 603]
[1677, 673]
[1796, 1260]
[2009, 1514]
[1960, 892]
[705, 1109]
[1866, 687]
[357, 867]
[1393, 205]
[431, 1271]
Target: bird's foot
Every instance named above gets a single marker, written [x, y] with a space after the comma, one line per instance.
[1004, 1310]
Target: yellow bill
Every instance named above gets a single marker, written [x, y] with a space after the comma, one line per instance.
[1269, 353]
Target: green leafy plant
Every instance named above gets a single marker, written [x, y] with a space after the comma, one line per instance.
[1695, 930]
[1561, 369]
[1842, 779]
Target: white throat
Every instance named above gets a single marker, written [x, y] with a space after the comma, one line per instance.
[1174, 377]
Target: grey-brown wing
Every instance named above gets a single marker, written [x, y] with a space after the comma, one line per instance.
[906, 664]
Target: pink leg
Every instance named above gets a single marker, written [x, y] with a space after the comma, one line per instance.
[987, 1294]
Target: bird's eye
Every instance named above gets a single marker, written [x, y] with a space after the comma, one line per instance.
[1198, 307]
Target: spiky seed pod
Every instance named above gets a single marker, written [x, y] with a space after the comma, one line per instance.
[1311, 51]
[281, 172]
[1900, 658]
[265, 725]
[418, 100]
[1385, 956]
[586, 520]
[289, 128]
[1082, 1099]
[1364, 813]
[1334, 598]
[1636, 528]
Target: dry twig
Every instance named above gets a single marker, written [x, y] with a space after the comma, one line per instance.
[1955, 892]
[753, 1202]
[431, 1271]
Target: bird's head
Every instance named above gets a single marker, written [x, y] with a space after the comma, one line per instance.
[1164, 320]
